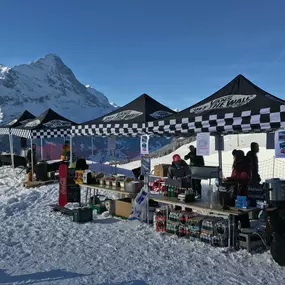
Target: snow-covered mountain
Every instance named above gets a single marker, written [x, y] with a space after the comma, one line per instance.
[49, 83]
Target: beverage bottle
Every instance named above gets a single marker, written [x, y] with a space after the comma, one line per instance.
[176, 192]
[166, 191]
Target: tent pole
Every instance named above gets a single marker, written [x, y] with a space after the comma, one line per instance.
[220, 155]
[42, 149]
[70, 159]
[32, 159]
[92, 151]
[11, 150]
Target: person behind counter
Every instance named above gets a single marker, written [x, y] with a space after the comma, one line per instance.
[180, 170]
[234, 156]
[241, 173]
[252, 155]
[195, 160]
[65, 154]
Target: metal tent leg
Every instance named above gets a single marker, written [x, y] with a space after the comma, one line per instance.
[42, 150]
[32, 159]
[70, 159]
[11, 150]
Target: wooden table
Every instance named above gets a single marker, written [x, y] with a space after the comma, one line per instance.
[95, 188]
[200, 206]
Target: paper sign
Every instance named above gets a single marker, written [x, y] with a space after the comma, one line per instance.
[112, 143]
[280, 144]
[203, 144]
[144, 144]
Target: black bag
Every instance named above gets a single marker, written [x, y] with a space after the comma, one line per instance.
[277, 249]
[227, 194]
[73, 193]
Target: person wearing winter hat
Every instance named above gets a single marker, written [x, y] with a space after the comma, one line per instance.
[179, 170]
[65, 154]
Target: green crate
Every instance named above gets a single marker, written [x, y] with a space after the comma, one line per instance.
[99, 208]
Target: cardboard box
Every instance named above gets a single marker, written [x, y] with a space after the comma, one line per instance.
[161, 170]
[123, 207]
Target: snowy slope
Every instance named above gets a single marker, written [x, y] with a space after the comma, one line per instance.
[38, 246]
[49, 83]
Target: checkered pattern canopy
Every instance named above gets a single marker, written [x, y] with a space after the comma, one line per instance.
[128, 120]
[48, 125]
[239, 107]
[26, 116]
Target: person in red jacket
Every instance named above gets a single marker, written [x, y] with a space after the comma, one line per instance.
[241, 173]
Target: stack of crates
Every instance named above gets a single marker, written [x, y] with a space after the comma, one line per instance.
[207, 230]
[194, 227]
[184, 217]
[221, 234]
[160, 219]
[172, 225]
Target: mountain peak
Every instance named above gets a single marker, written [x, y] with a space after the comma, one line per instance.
[49, 83]
[50, 59]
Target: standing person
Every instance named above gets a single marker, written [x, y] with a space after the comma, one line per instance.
[195, 160]
[180, 170]
[234, 152]
[31, 162]
[252, 156]
[65, 154]
[241, 173]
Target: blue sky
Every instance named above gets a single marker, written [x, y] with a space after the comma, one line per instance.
[179, 51]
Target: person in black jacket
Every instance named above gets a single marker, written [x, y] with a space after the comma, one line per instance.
[252, 156]
[195, 160]
[180, 170]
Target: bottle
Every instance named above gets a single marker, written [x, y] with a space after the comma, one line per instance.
[176, 192]
[166, 190]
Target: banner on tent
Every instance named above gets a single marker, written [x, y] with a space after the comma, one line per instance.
[280, 144]
[145, 165]
[144, 144]
[203, 144]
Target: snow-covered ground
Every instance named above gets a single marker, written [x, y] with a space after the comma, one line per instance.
[38, 246]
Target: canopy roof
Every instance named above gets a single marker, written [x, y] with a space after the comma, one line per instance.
[48, 124]
[127, 120]
[238, 107]
[25, 117]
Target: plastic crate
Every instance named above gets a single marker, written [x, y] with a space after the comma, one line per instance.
[82, 215]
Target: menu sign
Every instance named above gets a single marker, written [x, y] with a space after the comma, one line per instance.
[280, 144]
[203, 144]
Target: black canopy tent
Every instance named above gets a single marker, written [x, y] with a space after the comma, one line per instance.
[5, 129]
[26, 116]
[238, 107]
[128, 120]
[47, 125]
